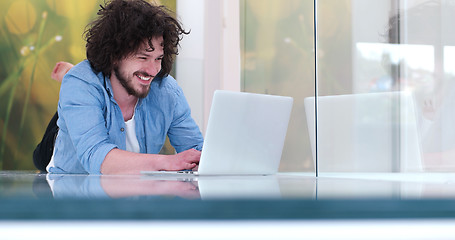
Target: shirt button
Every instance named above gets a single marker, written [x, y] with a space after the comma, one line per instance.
[122, 129]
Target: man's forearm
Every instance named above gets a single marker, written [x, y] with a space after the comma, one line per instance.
[123, 162]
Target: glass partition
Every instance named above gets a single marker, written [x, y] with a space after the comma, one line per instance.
[277, 58]
[385, 80]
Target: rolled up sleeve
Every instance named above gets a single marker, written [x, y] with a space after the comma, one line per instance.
[81, 107]
[184, 133]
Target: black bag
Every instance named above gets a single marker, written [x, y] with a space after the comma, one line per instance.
[43, 152]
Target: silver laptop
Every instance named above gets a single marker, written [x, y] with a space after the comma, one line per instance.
[371, 132]
[245, 135]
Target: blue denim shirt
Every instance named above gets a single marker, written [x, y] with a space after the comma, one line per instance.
[91, 123]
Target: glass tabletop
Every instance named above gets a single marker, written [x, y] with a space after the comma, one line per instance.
[29, 195]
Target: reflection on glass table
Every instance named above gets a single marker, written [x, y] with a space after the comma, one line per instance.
[285, 186]
[60, 186]
[113, 186]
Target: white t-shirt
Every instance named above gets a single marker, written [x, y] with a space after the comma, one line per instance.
[132, 144]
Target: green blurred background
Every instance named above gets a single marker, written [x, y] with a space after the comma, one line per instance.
[35, 34]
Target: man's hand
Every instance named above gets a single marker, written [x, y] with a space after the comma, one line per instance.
[188, 159]
[60, 69]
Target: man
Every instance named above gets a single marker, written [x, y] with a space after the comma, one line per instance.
[117, 107]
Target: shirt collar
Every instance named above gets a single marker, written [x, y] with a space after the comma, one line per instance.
[108, 86]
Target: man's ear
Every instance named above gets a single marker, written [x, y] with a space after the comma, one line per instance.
[114, 65]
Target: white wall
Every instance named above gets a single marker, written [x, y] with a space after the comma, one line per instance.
[190, 61]
[209, 57]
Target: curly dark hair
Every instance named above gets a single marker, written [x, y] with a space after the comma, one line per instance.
[121, 28]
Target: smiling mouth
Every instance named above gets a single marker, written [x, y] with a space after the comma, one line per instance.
[144, 78]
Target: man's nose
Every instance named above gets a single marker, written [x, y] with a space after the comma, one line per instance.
[153, 68]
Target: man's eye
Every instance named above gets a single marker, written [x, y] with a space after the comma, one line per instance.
[143, 58]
